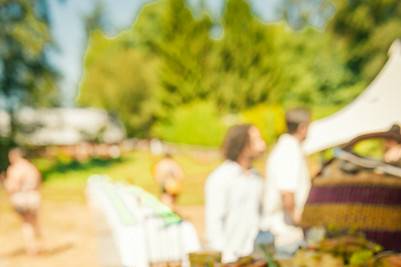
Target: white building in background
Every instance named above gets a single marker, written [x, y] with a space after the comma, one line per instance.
[63, 126]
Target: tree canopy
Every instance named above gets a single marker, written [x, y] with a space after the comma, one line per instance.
[25, 74]
[169, 59]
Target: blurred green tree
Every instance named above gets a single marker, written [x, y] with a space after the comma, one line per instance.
[148, 70]
[313, 71]
[121, 80]
[304, 13]
[26, 77]
[177, 61]
[271, 63]
[366, 29]
[182, 44]
[25, 74]
[244, 73]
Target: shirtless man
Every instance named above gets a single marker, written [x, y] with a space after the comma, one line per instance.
[22, 184]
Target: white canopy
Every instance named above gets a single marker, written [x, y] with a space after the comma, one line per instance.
[376, 109]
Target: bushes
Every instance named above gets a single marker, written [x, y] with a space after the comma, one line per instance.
[269, 119]
[195, 123]
[200, 123]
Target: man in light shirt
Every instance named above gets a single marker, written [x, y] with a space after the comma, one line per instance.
[288, 184]
[233, 195]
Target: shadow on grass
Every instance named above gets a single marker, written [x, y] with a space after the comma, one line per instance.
[73, 165]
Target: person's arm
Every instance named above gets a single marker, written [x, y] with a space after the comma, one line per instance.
[12, 182]
[159, 173]
[178, 172]
[288, 202]
[38, 177]
[289, 175]
[393, 154]
[215, 199]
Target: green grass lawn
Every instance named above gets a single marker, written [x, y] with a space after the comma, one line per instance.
[66, 181]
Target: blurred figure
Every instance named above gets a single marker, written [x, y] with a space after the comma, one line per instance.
[22, 184]
[169, 174]
[288, 184]
[233, 195]
[392, 147]
[156, 147]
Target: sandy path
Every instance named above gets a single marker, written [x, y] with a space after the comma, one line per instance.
[69, 235]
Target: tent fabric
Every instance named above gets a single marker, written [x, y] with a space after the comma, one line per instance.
[376, 109]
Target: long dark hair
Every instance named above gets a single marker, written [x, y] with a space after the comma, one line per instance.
[237, 138]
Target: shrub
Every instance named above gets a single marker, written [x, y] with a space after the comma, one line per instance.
[269, 119]
[197, 123]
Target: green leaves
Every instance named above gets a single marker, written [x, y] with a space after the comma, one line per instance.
[121, 80]
[169, 60]
[25, 76]
[367, 28]
[196, 123]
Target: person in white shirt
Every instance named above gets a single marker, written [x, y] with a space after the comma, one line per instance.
[287, 185]
[233, 195]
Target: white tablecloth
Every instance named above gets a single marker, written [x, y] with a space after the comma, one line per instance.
[134, 228]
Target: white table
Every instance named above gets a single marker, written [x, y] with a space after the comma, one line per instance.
[134, 228]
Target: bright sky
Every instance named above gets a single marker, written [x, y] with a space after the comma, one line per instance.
[68, 30]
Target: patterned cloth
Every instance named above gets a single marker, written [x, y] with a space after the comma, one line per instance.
[369, 203]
